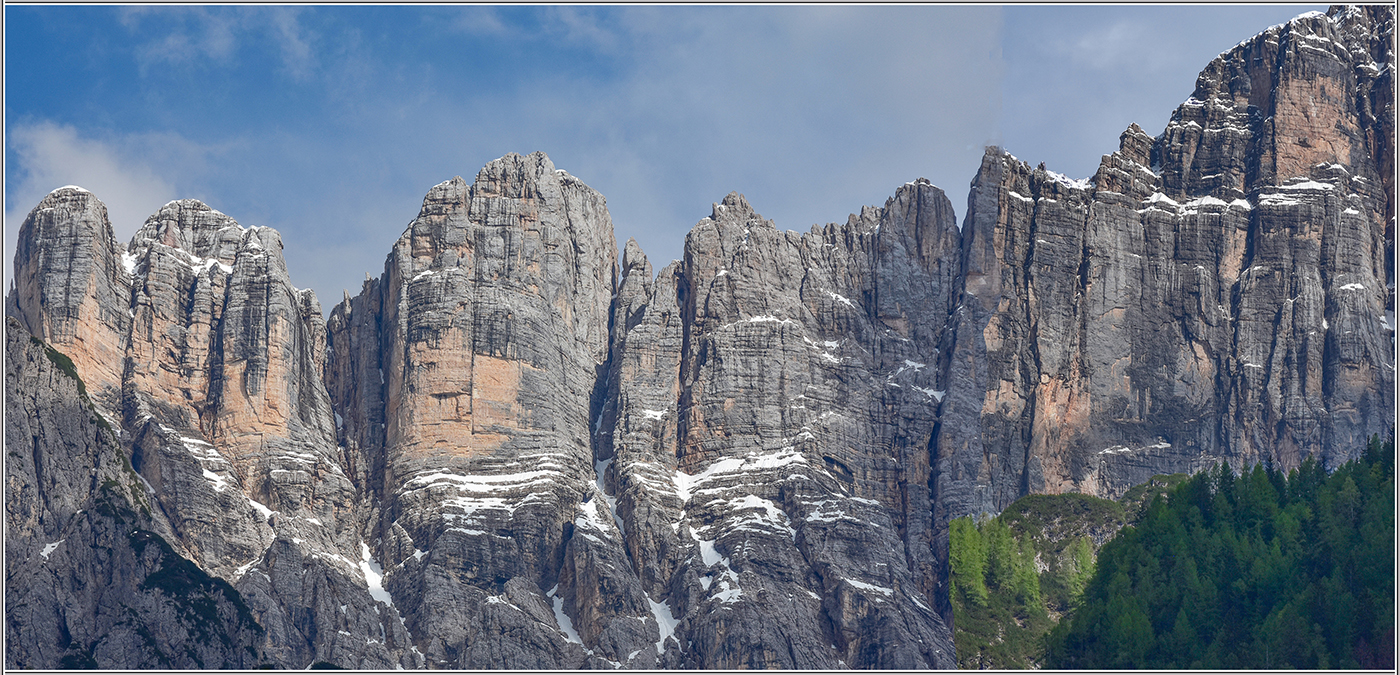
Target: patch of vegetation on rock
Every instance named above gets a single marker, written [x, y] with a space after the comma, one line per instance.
[194, 592]
[1014, 576]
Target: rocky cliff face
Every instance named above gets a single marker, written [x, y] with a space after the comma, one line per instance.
[511, 451]
[465, 374]
[215, 392]
[1221, 292]
[766, 433]
[90, 578]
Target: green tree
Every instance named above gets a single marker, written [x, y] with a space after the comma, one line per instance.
[967, 561]
[1252, 571]
[1026, 578]
[1080, 559]
[1001, 554]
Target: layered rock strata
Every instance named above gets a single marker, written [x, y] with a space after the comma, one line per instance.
[770, 407]
[509, 451]
[1223, 292]
[216, 394]
[467, 372]
[465, 375]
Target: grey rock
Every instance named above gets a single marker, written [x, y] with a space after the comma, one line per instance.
[508, 451]
[1229, 304]
[71, 288]
[218, 399]
[796, 414]
[90, 579]
[466, 374]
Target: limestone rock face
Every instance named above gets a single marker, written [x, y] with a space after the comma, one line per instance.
[771, 403]
[465, 375]
[69, 274]
[216, 394]
[513, 450]
[90, 578]
[1221, 292]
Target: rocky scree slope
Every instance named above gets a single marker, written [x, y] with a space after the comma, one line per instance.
[511, 451]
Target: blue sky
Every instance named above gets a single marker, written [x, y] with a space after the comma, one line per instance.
[331, 123]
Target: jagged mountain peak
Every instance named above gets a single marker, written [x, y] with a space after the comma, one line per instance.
[508, 451]
[193, 227]
[633, 258]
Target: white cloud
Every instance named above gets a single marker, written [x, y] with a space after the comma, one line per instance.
[297, 56]
[191, 36]
[49, 156]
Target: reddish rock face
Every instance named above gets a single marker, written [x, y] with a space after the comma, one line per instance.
[197, 349]
[465, 375]
[509, 452]
[71, 289]
[1229, 303]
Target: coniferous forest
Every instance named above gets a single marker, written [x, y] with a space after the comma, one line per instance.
[1014, 576]
[1261, 570]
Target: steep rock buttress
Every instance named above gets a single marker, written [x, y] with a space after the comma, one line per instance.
[1220, 293]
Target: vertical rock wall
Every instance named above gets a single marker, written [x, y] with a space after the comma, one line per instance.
[753, 461]
[1221, 292]
[466, 375]
[207, 362]
[508, 451]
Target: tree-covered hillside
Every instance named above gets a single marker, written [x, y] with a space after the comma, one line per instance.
[1257, 571]
[1015, 575]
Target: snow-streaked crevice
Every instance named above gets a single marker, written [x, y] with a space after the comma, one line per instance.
[566, 625]
[261, 508]
[600, 470]
[727, 585]
[374, 576]
[666, 620]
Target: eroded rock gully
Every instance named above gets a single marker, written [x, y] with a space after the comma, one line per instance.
[513, 450]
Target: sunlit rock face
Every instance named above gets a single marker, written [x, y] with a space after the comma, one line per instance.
[90, 580]
[196, 348]
[513, 449]
[766, 429]
[465, 375]
[71, 288]
[1222, 292]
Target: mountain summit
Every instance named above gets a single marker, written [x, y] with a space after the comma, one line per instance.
[513, 450]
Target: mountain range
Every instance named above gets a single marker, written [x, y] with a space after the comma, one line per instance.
[516, 448]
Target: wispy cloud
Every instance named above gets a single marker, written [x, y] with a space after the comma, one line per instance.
[581, 26]
[53, 155]
[295, 43]
[181, 39]
[200, 37]
[475, 21]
